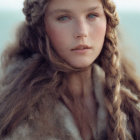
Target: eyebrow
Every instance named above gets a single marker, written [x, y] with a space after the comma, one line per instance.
[69, 11]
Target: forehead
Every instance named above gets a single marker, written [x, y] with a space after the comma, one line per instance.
[73, 3]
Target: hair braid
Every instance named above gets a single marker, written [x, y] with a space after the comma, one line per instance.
[110, 62]
[113, 100]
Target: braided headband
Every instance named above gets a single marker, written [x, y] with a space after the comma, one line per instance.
[33, 10]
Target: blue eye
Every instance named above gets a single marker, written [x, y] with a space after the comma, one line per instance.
[63, 18]
[91, 16]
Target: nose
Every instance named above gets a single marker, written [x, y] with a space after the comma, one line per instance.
[81, 29]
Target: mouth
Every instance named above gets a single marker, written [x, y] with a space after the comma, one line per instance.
[81, 47]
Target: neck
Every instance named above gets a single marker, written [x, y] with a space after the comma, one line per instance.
[80, 83]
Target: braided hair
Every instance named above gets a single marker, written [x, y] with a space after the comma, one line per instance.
[122, 90]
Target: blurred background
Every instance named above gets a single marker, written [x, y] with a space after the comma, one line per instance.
[129, 12]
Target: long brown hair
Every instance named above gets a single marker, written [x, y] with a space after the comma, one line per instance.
[31, 67]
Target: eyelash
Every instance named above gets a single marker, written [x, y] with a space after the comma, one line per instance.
[92, 15]
[61, 18]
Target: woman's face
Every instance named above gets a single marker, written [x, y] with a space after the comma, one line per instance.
[76, 29]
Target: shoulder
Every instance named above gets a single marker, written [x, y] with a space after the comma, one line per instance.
[49, 120]
[13, 68]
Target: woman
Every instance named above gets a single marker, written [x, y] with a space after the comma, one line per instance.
[64, 78]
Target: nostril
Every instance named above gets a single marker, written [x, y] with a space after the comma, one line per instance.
[80, 35]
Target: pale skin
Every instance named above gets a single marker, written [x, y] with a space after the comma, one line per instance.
[73, 22]
[70, 23]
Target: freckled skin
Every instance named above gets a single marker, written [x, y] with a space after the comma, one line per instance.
[75, 26]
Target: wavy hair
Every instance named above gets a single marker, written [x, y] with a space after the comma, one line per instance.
[43, 70]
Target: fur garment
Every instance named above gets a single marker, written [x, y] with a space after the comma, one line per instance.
[50, 119]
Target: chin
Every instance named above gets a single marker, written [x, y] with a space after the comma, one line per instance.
[81, 66]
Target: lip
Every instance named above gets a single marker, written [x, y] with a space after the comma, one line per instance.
[81, 47]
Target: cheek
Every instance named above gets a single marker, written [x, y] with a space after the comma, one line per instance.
[102, 30]
[98, 32]
[54, 35]
[57, 36]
